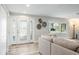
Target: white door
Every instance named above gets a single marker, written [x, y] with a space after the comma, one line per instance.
[24, 31]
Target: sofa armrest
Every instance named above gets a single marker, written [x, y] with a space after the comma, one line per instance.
[44, 46]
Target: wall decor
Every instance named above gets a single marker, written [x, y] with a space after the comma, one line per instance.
[44, 24]
[38, 26]
[40, 20]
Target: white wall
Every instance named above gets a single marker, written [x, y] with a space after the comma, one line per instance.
[60, 21]
[74, 21]
[36, 33]
[42, 31]
[45, 31]
[3, 17]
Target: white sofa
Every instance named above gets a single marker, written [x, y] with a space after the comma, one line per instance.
[58, 46]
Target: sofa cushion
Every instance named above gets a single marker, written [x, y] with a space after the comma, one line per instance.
[67, 43]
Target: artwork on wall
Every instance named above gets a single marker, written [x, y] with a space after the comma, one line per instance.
[40, 20]
[41, 23]
[44, 24]
[38, 26]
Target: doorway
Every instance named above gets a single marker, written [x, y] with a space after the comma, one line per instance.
[23, 31]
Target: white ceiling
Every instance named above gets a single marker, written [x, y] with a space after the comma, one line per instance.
[54, 10]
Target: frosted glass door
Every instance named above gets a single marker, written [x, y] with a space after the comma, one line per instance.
[24, 31]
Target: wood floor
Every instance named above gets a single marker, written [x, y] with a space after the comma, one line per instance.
[24, 49]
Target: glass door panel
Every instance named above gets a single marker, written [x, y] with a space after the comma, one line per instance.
[24, 32]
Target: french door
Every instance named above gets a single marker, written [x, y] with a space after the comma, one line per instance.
[24, 31]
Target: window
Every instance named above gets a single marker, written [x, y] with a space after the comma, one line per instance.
[57, 27]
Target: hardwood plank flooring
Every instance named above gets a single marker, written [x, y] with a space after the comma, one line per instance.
[24, 49]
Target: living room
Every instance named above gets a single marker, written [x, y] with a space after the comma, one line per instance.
[30, 28]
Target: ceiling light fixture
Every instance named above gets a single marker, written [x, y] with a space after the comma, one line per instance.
[27, 5]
